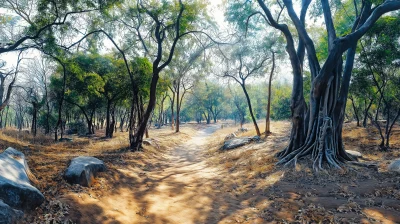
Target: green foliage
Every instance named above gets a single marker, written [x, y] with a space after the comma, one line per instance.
[280, 103]
[237, 13]
[142, 70]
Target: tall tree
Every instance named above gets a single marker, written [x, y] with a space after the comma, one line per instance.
[184, 70]
[317, 129]
[247, 61]
[165, 24]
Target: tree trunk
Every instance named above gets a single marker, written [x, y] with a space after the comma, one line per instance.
[267, 117]
[355, 111]
[250, 109]
[5, 121]
[122, 121]
[330, 84]
[112, 123]
[366, 113]
[61, 101]
[390, 129]
[137, 138]
[109, 124]
[177, 107]
[34, 119]
[172, 110]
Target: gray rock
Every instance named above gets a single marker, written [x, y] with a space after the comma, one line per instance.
[9, 215]
[15, 177]
[354, 153]
[65, 140]
[230, 136]
[238, 142]
[83, 169]
[395, 166]
[256, 138]
[243, 130]
[151, 142]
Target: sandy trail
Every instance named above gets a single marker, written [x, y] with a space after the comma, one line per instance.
[183, 189]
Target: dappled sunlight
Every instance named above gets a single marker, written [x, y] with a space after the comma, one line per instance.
[185, 178]
[382, 216]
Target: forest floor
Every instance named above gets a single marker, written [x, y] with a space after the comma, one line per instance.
[185, 178]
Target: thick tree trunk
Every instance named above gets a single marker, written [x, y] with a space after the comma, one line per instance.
[137, 138]
[330, 89]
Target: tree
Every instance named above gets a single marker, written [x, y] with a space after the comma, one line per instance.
[83, 86]
[37, 81]
[246, 61]
[240, 104]
[267, 117]
[166, 24]
[116, 86]
[378, 56]
[184, 69]
[316, 130]
[207, 100]
[27, 23]
[3, 77]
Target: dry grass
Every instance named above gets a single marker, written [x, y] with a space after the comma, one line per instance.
[48, 160]
[281, 195]
[248, 174]
[254, 159]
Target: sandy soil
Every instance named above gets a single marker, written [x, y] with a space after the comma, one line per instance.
[180, 189]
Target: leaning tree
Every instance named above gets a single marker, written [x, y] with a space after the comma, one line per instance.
[316, 128]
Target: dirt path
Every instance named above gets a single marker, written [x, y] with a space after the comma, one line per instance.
[183, 189]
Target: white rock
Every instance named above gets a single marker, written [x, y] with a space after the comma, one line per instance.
[354, 153]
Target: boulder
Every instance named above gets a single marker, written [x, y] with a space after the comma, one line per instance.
[9, 215]
[354, 153]
[15, 176]
[395, 166]
[83, 169]
[238, 142]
